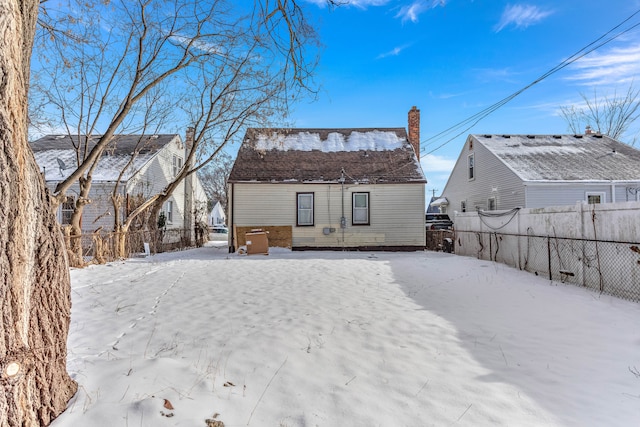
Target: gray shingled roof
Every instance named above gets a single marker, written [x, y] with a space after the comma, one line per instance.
[565, 157]
[367, 155]
[52, 151]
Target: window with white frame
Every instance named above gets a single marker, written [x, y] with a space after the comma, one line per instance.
[595, 197]
[177, 164]
[169, 210]
[67, 209]
[360, 213]
[471, 162]
[304, 207]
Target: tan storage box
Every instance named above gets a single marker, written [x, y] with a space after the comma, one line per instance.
[257, 242]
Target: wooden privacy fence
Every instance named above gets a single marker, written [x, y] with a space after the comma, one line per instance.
[610, 267]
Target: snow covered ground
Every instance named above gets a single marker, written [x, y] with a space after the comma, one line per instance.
[345, 339]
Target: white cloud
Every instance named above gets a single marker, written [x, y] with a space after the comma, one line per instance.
[521, 16]
[393, 52]
[617, 66]
[408, 12]
[362, 4]
[411, 11]
[446, 95]
[506, 75]
[199, 45]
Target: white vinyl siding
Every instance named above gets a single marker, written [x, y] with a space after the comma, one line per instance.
[492, 179]
[156, 175]
[396, 213]
[567, 193]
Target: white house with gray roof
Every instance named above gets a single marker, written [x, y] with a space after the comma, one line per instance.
[143, 164]
[499, 172]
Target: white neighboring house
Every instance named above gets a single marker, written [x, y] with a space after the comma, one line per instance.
[499, 172]
[159, 159]
[217, 215]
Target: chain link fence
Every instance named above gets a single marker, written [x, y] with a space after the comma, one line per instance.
[609, 267]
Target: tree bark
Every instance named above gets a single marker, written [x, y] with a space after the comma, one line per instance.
[35, 299]
[76, 258]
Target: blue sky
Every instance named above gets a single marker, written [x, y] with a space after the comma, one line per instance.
[454, 58]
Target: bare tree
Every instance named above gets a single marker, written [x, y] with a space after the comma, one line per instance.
[214, 178]
[608, 115]
[34, 284]
[231, 65]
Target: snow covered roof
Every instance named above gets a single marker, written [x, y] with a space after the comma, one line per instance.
[367, 155]
[56, 155]
[442, 201]
[589, 157]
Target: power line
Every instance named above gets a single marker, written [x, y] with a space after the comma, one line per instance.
[476, 118]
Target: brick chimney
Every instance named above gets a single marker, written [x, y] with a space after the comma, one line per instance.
[414, 130]
[189, 137]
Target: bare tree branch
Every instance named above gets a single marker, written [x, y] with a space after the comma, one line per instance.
[610, 115]
[106, 68]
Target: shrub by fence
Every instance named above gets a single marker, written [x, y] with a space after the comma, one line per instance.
[440, 240]
[610, 267]
[98, 248]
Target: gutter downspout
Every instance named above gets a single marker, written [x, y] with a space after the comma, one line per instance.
[343, 220]
[188, 208]
[232, 242]
[613, 192]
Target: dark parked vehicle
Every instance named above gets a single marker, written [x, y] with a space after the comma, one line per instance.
[438, 221]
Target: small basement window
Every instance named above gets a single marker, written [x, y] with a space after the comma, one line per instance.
[595, 198]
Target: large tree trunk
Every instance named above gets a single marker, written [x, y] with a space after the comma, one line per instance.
[34, 278]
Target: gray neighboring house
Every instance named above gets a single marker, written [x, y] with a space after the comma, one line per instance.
[499, 172]
[350, 188]
[158, 160]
